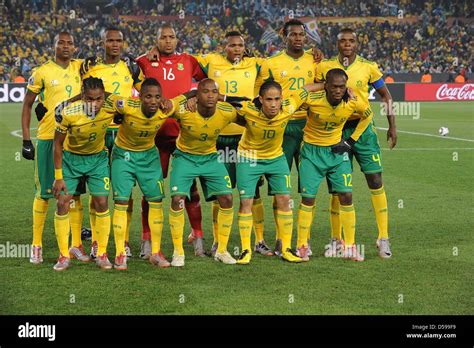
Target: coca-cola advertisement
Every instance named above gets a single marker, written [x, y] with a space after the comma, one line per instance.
[439, 92]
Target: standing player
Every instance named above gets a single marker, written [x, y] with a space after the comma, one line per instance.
[119, 77]
[362, 74]
[196, 156]
[325, 155]
[175, 73]
[236, 74]
[79, 153]
[54, 81]
[292, 68]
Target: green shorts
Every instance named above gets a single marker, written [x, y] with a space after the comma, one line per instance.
[94, 168]
[44, 169]
[292, 140]
[227, 148]
[275, 170]
[317, 163]
[367, 149]
[143, 167]
[185, 167]
[110, 136]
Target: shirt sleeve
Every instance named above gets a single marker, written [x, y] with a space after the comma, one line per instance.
[375, 73]
[138, 84]
[36, 81]
[179, 107]
[62, 123]
[319, 72]
[203, 61]
[116, 103]
[363, 109]
[198, 74]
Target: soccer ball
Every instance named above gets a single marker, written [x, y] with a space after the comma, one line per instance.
[443, 131]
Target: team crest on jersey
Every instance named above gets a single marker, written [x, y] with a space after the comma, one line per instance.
[310, 74]
[66, 76]
[217, 73]
[127, 78]
[359, 83]
[247, 74]
[180, 66]
[77, 79]
[283, 73]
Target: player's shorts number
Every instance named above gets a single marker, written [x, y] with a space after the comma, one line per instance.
[69, 90]
[376, 158]
[203, 137]
[117, 86]
[231, 86]
[347, 179]
[228, 182]
[92, 136]
[268, 134]
[288, 181]
[106, 183]
[296, 83]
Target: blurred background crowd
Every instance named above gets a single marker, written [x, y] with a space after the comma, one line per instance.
[438, 38]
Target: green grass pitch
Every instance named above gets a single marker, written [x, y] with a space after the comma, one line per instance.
[429, 185]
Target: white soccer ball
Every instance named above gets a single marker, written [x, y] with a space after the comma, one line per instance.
[443, 131]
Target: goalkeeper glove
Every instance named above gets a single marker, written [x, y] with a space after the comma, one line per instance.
[87, 63]
[28, 150]
[132, 67]
[343, 146]
[40, 111]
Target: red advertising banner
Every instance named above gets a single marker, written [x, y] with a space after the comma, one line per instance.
[439, 92]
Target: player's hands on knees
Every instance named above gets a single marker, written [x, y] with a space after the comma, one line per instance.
[153, 55]
[392, 137]
[191, 104]
[40, 111]
[28, 150]
[166, 105]
[58, 187]
[318, 55]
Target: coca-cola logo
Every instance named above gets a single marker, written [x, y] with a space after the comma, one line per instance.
[464, 92]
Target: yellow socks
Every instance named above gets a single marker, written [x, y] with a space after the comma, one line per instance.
[155, 221]
[120, 225]
[258, 217]
[379, 202]
[275, 217]
[284, 224]
[225, 218]
[245, 227]
[176, 220]
[305, 219]
[215, 211]
[61, 228]
[336, 228]
[75, 219]
[102, 226]
[40, 209]
[129, 219]
[348, 221]
[92, 218]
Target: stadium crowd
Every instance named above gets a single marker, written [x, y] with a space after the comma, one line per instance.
[399, 47]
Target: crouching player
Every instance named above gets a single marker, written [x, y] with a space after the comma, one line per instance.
[135, 158]
[260, 153]
[324, 154]
[196, 157]
[79, 153]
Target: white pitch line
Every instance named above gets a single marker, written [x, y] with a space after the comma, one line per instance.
[430, 135]
[19, 133]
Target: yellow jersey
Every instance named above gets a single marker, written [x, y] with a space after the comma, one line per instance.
[233, 79]
[54, 84]
[361, 73]
[292, 74]
[137, 131]
[85, 135]
[117, 79]
[325, 122]
[198, 134]
[263, 136]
